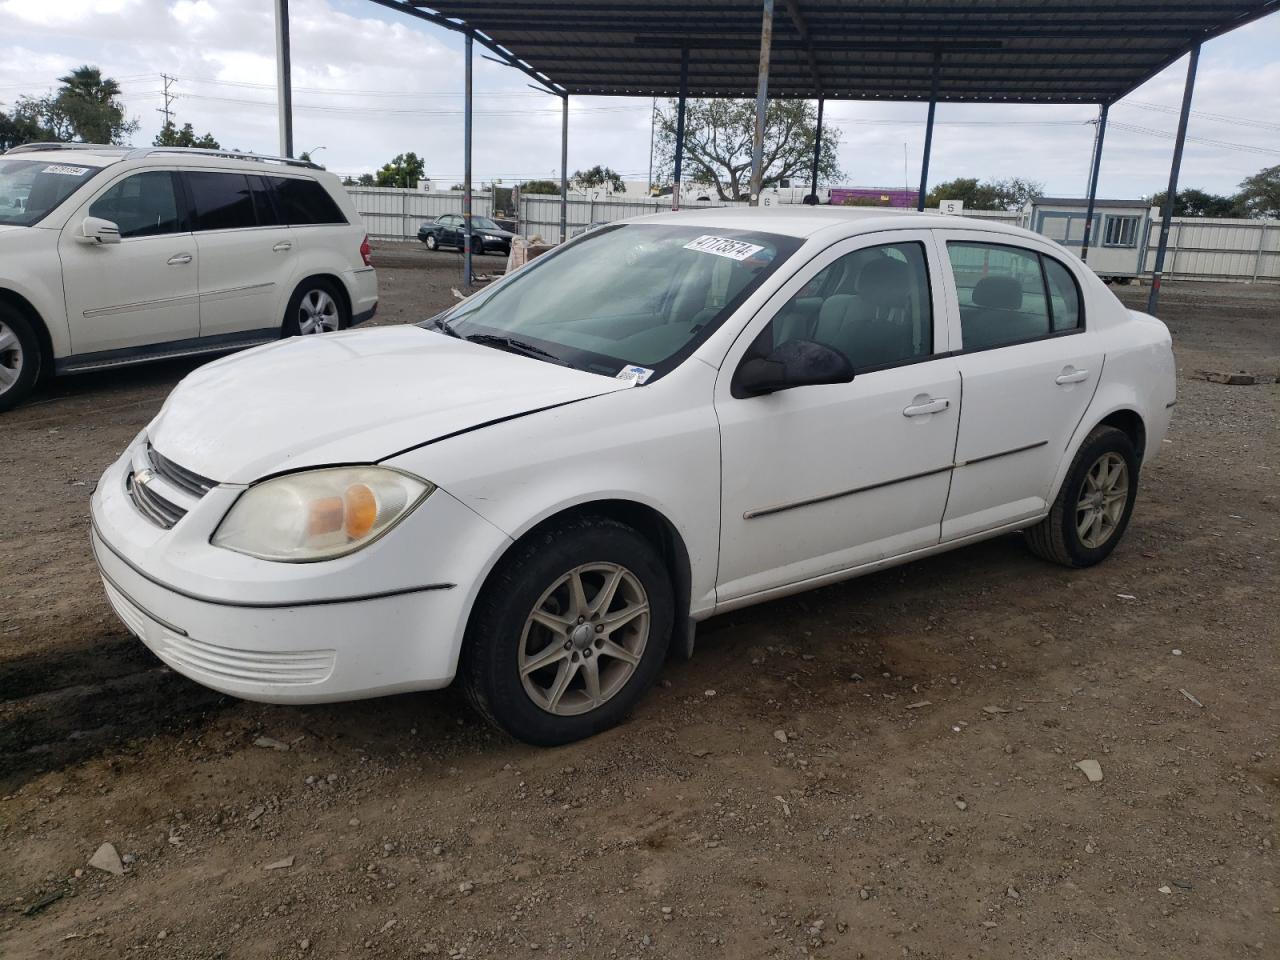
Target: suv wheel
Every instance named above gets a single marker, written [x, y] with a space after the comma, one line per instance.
[315, 307]
[569, 633]
[19, 357]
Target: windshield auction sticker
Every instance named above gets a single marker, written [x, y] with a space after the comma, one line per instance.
[65, 170]
[634, 375]
[724, 247]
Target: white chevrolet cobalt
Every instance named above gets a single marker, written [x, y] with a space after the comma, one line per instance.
[543, 489]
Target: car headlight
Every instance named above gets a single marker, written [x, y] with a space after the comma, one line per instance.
[489, 236]
[319, 514]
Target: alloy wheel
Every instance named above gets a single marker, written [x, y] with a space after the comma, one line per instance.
[1103, 497]
[11, 358]
[584, 638]
[317, 313]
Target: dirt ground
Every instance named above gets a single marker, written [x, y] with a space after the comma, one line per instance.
[883, 768]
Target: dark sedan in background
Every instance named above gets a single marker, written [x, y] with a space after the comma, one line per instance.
[447, 231]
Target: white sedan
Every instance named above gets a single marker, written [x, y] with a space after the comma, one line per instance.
[542, 490]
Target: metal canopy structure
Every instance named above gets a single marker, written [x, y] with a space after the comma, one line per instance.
[934, 51]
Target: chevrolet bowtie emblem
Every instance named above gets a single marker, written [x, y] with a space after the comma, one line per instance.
[143, 477]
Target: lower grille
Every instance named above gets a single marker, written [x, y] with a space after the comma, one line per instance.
[199, 657]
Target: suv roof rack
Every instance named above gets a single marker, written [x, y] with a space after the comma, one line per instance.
[57, 145]
[225, 154]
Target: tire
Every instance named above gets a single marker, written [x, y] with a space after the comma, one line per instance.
[317, 306]
[20, 357]
[1094, 477]
[504, 645]
[431, 242]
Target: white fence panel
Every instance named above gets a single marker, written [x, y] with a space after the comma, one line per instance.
[1201, 248]
[391, 213]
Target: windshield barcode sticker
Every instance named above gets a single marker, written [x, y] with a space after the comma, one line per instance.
[65, 170]
[634, 375]
[724, 247]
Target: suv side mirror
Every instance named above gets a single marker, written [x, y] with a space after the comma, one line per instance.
[97, 230]
[796, 363]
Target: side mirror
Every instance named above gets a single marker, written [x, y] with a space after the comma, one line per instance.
[97, 230]
[796, 363]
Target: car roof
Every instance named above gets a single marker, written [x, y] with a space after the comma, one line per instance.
[102, 155]
[799, 220]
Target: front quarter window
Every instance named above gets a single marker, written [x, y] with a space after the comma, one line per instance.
[32, 189]
[635, 294]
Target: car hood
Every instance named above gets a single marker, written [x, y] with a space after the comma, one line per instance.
[352, 397]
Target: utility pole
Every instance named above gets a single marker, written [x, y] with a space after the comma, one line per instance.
[167, 109]
[653, 114]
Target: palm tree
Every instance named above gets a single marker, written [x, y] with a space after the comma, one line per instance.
[91, 104]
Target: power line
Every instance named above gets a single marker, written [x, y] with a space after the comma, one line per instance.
[1222, 117]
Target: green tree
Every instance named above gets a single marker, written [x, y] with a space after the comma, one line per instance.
[549, 187]
[1260, 194]
[404, 170]
[17, 129]
[1197, 203]
[91, 106]
[1010, 194]
[598, 177]
[366, 180]
[718, 138]
[171, 136]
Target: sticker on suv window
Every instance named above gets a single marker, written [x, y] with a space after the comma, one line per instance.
[634, 375]
[724, 247]
[65, 170]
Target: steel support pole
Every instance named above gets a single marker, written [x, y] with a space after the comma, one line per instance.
[762, 101]
[680, 105]
[466, 165]
[1170, 195]
[1093, 182]
[284, 79]
[928, 134]
[817, 149]
[564, 169]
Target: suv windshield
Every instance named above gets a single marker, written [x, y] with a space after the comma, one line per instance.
[29, 189]
[634, 294]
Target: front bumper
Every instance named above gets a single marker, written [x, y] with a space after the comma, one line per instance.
[376, 622]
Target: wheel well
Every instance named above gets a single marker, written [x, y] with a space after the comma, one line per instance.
[1131, 424]
[651, 525]
[23, 306]
[337, 283]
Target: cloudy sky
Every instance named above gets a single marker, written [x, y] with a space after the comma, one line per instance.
[370, 84]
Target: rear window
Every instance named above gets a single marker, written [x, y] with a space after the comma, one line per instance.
[221, 201]
[303, 202]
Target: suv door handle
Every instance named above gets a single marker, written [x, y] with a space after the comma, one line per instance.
[179, 258]
[926, 406]
[1071, 375]
[282, 246]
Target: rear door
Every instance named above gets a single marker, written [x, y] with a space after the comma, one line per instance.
[821, 479]
[141, 291]
[246, 254]
[1030, 368]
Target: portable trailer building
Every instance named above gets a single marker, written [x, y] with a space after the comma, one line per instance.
[1119, 232]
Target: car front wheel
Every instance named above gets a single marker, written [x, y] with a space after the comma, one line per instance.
[431, 242]
[1092, 509]
[569, 632]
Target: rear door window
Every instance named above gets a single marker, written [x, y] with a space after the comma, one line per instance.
[221, 201]
[303, 202]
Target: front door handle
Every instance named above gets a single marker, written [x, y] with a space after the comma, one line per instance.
[282, 246]
[923, 406]
[1071, 375]
[178, 259]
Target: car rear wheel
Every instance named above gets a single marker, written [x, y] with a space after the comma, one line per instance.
[1092, 509]
[431, 242]
[569, 632]
[19, 357]
[315, 307]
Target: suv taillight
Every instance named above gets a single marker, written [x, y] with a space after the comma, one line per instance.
[365, 250]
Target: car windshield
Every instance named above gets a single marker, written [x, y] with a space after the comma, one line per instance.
[631, 295]
[29, 189]
[484, 223]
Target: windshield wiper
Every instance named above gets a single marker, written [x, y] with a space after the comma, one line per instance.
[512, 345]
[443, 326]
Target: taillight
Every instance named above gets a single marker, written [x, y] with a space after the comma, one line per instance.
[365, 250]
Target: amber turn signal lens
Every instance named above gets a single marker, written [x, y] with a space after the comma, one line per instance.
[361, 510]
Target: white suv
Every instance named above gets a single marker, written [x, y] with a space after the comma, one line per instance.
[119, 255]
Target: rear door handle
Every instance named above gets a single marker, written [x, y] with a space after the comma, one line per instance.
[1071, 375]
[282, 246]
[923, 407]
[179, 258]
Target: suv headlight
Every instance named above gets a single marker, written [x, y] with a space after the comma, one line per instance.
[319, 514]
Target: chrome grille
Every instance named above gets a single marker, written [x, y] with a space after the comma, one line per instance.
[162, 490]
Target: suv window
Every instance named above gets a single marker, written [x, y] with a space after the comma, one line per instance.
[1005, 295]
[266, 211]
[873, 305]
[142, 205]
[303, 202]
[221, 201]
